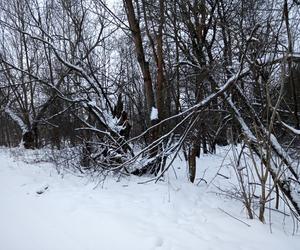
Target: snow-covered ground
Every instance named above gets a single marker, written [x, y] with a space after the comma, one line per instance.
[40, 210]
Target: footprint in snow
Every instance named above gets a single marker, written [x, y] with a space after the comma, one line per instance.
[42, 190]
[159, 242]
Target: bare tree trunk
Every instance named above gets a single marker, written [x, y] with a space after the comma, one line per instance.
[290, 51]
[155, 165]
[138, 42]
[192, 154]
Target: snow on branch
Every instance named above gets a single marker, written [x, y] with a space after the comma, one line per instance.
[295, 131]
[16, 118]
[231, 81]
[154, 114]
[278, 149]
[247, 131]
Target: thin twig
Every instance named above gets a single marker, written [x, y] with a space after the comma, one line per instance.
[248, 225]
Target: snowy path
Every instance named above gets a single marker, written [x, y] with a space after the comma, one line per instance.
[71, 215]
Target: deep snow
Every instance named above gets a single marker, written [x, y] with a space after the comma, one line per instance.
[71, 214]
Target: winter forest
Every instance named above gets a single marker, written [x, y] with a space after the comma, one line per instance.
[154, 93]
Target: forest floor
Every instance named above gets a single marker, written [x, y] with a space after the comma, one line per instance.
[43, 210]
